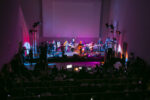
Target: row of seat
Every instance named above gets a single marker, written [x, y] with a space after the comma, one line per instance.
[138, 95]
[28, 91]
[77, 82]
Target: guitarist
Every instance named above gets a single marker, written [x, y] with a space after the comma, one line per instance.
[80, 45]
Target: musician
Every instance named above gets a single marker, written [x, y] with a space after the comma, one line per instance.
[73, 44]
[92, 48]
[31, 56]
[62, 47]
[108, 43]
[80, 45]
[56, 46]
[87, 49]
[114, 45]
[66, 44]
[73, 41]
[100, 42]
[53, 47]
[91, 45]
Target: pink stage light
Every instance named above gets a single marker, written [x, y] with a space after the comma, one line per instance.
[25, 31]
[119, 49]
[126, 57]
[27, 46]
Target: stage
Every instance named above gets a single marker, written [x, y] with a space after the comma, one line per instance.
[71, 59]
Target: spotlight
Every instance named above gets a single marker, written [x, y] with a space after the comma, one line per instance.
[118, 32]
[31, 31]
[36, 24]
[107, 25]
[27, 46]
[112, 31]
[111, 26]
[114, 39]
[102, 63]
[119, 49]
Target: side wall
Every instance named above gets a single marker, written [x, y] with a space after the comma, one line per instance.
[10, 34]
[134, 21]
[32, 11]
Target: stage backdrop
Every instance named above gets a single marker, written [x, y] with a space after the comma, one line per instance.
[65, 19]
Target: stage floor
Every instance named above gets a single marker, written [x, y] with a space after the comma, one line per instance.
[59, 54]
[71, 54]
[71, 59]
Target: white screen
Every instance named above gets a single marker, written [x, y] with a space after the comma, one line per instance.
[71, 18]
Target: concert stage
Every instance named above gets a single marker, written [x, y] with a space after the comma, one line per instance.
[71, 59]
[71, 54]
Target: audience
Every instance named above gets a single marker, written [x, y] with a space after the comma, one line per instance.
[130, 80]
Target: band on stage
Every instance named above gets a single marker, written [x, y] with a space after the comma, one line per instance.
[79, 47]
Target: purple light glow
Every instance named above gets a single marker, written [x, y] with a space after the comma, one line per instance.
[66, 20]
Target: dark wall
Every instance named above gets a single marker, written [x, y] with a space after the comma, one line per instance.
[10, 33]
[32, 10]
[105, 14]
[134, 21]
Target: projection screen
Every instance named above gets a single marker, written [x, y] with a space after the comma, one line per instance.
[71, 18]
